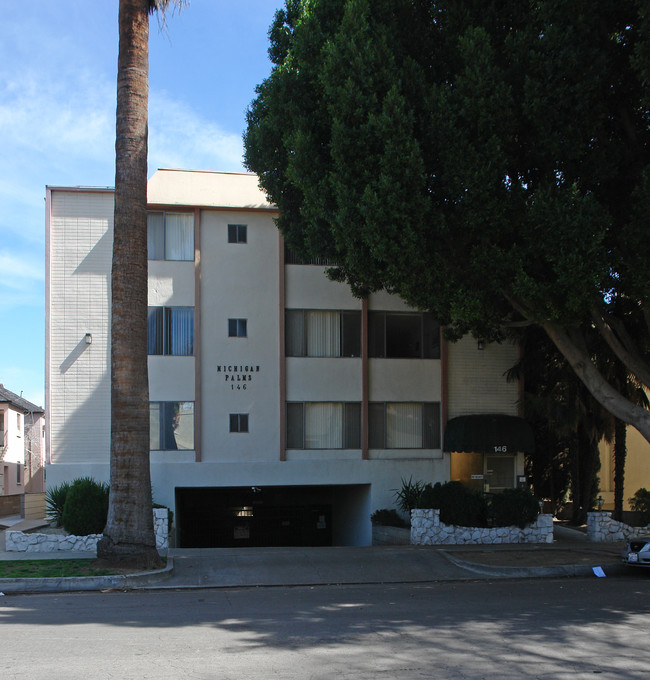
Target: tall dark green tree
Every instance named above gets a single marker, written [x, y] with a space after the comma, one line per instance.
[485, 160]
[568, 423]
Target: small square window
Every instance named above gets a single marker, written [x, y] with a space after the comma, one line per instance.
[237, 328]
[239, 422]
[237, 233]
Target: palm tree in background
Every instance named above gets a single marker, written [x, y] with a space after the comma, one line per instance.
[129, 534]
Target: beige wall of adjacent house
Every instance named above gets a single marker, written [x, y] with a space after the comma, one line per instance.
[637, 468]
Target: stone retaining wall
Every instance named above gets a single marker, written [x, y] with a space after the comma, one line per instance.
[601, 528]
[17, 541]
[427, 529]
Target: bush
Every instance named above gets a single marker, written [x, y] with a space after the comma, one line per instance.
[640, 502]
[86, 507]
[458, 505]
[513, 507]
[55, 502]
[387, 518]
[408, 496]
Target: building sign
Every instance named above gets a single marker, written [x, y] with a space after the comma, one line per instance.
[238, 376]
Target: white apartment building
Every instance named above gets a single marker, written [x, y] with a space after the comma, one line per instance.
[284, 411]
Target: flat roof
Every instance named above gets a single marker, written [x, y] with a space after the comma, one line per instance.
[200, 188]
[206, 189]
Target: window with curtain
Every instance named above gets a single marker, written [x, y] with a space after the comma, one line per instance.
[171, 331]
[322, 333]
[403, 335]
[404, 425]
[170, 236]
[171, 425]
[323, 425]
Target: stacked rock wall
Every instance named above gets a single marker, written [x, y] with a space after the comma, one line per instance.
[601, 528]
[17, 541]
[427, 529]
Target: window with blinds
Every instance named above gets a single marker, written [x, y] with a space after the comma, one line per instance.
[171, 331]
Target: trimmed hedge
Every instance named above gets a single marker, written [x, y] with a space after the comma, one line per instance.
[461, 506]
[86, 507]
[458, 505]
[513, 507]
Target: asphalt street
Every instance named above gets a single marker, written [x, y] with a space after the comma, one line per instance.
[545, 629]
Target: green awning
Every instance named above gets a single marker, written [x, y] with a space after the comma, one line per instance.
[493, 433]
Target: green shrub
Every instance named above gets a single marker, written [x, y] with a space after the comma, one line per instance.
[55, 502]
[513, 507]
[408, 496]
[458, 505]
[387, 518]
[86, 507]
[640, 502]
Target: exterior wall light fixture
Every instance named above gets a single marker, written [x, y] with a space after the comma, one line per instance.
[88, 338]
[481, 344]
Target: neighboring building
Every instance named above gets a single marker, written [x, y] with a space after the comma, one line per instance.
[283, 409]
[637, 468]
[22, 445]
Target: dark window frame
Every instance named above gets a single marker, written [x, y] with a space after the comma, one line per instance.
[238, 423]
[380, 334]
[237, 328]
[238, 233]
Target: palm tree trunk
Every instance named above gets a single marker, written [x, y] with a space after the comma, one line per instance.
[620, 453]
[129, 535]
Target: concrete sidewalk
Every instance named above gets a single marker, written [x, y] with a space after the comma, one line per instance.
[570, 555]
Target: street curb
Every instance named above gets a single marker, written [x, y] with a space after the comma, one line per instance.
[609, 569]
[66, 584]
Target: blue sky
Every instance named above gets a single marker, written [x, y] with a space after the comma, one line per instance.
[58, 64]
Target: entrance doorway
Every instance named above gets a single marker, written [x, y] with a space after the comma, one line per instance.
[226, 517]
[483, 472]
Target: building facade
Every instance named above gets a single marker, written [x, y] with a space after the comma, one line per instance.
[283, 410]
[22, 445]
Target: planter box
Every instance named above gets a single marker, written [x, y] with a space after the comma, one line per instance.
[427, 529]
[17, 541]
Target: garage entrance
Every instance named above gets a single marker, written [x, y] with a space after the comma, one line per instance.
[269, 516]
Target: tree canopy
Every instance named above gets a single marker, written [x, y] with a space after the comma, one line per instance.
[487, 160]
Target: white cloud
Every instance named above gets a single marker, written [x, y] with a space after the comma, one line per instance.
[180, 138]
[74, 118]
[16, 270]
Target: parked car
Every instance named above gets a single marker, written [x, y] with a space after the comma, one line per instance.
[637, 552]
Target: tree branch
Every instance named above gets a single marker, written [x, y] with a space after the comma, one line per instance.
[600, 389]
[616, 336]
